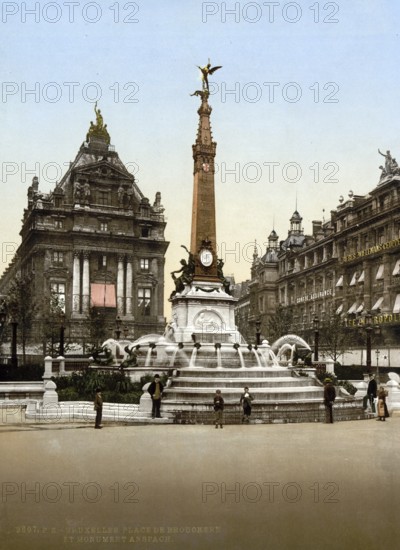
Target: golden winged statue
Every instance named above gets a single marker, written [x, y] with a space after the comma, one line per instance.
[205, 71]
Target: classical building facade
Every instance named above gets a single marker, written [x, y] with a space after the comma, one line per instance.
[348, 265]
[96, 243]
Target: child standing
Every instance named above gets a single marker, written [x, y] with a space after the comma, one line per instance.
[218, 408]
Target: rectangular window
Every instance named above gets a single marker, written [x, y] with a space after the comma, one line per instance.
[103, 226]
[102, 262]
[144, 301]
[145, 232]
[102, 295]
[103, 198]
[58, 257]
[58, 224]
[58, 289]
[144, 264]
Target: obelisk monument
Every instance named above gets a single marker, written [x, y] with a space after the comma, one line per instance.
[202, 308]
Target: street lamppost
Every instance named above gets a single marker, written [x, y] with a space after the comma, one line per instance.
[377, 353]
[258, 332]
[118, 327]
[316, 337]
[62, 330]
[368, 328]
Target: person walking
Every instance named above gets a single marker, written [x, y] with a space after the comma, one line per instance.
[155, 390]
[98, 407]
[383, 412]
[329, 398]
[245, 400]
[218, 408]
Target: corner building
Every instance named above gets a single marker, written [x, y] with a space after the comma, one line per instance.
[349, 265]
[96, 242]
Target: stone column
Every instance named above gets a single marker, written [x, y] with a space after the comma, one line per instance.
[367, 285]
[61, 361]
[120, 286]
[386, 283]
[128, 286]
[76, 284]
[85, 284]
[48, 368]
[155, 288]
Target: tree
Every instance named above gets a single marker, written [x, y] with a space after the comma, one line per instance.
[280, 323]
[97, 328]
[21, 307]
[53, 311]
[334, 337]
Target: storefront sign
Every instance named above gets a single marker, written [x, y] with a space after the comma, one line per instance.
[381, 319]
[371, 250]
[314, 296]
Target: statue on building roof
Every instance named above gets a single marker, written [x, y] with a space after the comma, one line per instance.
[388, 161]
[99, 117]
[98, 130]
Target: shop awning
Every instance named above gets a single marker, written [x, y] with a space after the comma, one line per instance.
[102, 295]
[396, 308]
[360, 308]
[361, 278]
[353, 279]
[353, 308]
[379, 273]
[339, 309]
[378, 304]
[396, 270]
[340, 281]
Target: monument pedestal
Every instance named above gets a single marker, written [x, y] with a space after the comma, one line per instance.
[204, 312]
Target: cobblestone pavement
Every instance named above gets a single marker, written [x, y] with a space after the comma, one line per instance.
[293, 486]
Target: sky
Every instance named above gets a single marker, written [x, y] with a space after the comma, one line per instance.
[307, 93]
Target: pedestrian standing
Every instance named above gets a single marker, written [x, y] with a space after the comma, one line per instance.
[329, 398]
[371, 391]
[156, 390]
[218, 408]
[98, 407]
[382, 408]
[245, 400]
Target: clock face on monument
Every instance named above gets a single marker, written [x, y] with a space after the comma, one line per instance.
[206, 257]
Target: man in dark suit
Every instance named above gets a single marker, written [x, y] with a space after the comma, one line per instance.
[329, 398]
[155, 390]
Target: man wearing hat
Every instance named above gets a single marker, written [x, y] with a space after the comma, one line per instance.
[329, 398]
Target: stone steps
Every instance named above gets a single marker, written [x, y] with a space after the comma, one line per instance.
[255, 372]
[233, 394]
[266, 384]
[252, 383]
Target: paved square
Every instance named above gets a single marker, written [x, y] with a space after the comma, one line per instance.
[292, 486]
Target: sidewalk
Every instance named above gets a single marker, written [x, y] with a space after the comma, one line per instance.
[293, 486]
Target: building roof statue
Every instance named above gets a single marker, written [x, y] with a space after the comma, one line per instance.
[98, 130]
